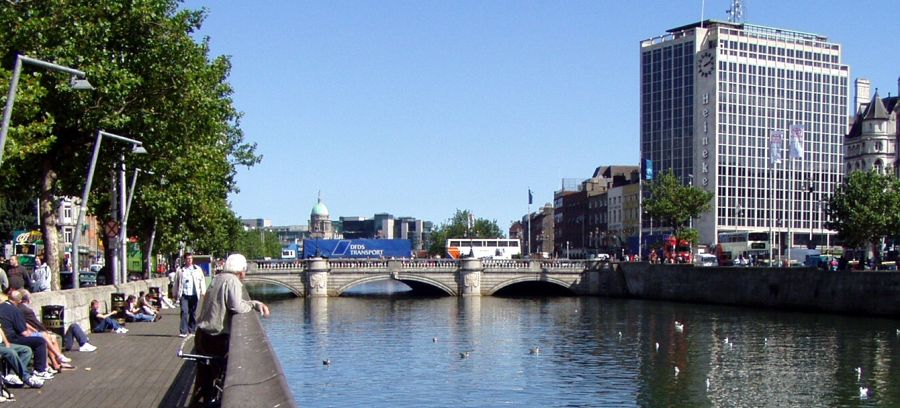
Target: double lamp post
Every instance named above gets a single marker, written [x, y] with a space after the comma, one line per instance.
[78, 81]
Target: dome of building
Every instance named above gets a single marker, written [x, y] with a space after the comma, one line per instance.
[320, 210]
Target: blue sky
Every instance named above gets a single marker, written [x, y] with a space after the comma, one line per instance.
[419, 108]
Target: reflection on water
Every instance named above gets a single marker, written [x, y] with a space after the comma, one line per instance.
[406, 352]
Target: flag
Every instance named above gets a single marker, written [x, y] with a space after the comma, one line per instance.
[775, 146]
[796, 146]
[648, 169]
[530, 198]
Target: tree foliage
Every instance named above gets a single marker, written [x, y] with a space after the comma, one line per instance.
[258, 244]
[462, 224]
[155, 83]
[865, 209]
[673, 204]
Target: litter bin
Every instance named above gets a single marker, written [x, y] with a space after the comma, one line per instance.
[154, 297]
[53, 318]
[117, 303]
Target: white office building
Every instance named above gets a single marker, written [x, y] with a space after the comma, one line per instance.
[713, 96]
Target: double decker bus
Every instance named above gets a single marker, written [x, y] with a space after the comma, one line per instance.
[736, 243]
[490, 248]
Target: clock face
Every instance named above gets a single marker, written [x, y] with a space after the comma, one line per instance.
[705, 64]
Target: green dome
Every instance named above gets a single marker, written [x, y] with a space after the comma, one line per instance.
[320, 210]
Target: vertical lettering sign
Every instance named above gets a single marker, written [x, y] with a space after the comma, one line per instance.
[705, 140]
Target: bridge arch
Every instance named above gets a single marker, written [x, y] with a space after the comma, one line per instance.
[504, 284]
[404, 278]
[299, 292]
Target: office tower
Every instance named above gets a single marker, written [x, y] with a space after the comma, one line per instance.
[714, 95]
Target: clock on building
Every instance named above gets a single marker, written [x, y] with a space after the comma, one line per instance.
[705, 64]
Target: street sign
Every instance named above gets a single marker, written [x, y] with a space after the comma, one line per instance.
[112, 228]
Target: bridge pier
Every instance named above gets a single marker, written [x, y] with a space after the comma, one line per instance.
[470, 271]
[317, 273]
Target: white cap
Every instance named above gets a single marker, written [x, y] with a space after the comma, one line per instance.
[235, 263]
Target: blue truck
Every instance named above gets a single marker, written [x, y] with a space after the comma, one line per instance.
[357, 248]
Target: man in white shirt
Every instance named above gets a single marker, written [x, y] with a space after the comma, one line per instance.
[190, 285]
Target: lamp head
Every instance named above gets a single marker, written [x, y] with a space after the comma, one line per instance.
[80, 84]
[139, 149]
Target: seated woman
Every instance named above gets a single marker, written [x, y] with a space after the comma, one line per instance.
[134, 313]
[100, 322]
[147, 307]
[55, 358]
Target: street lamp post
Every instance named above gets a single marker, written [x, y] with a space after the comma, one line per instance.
[77, 82]
[810, 187]
[123, 236]
[137, 148]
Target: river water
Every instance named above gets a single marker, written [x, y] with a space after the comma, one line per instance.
[388, 351]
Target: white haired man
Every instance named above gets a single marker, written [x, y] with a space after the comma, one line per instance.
[224, 299]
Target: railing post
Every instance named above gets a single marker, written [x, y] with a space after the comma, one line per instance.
[317, 277]
[470, 271]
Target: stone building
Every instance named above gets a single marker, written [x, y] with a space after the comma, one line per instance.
[871, 143]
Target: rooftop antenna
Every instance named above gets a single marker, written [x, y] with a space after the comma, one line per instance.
[702, 10]
[736, 12]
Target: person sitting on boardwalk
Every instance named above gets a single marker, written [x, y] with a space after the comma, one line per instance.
[100, 322]
[223, 300]
[17, 357]
[16, 330]
[147, 308]
[134, 313]
[22, 299]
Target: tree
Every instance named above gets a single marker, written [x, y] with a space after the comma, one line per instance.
[673, 204]
[462, 224]
[258, 244]
[865, 209]
[153, 82]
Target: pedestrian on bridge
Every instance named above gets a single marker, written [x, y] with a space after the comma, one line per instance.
[224, 299]
[190, 285]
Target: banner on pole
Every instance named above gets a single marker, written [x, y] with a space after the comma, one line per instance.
[796, 146]
[530, 198]
[775, 140]
[648, 169]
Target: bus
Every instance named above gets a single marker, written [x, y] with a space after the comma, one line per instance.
[736, 243]
[489, 248]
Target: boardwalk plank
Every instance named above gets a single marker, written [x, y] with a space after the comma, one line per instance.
[138, 369]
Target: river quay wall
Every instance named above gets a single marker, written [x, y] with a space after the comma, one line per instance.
[77, 302]
[808, 289]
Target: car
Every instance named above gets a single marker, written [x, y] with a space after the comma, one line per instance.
[707, 260]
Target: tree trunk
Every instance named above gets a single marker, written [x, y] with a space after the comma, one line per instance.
[49, 222]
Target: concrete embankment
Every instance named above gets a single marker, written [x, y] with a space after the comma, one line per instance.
[867, 293]
[77, 301]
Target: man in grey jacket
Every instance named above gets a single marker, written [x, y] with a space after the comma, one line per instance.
[224, 299]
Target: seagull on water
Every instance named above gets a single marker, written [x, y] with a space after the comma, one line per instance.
[326, 362]
[858, 373]
[434, 339]
[620, 335]
[464, 354]
[726, 340]
[657, 346]
[679, 326]
[863, 392]
[535, 350]
[677, 371]
[707, 383]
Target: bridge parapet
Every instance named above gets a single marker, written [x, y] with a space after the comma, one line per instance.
[466, 277]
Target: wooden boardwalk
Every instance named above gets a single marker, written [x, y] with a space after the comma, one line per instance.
[137, 369]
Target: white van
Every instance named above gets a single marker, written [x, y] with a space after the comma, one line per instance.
[706, 260]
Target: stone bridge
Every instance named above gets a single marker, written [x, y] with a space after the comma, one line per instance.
[467, 277]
